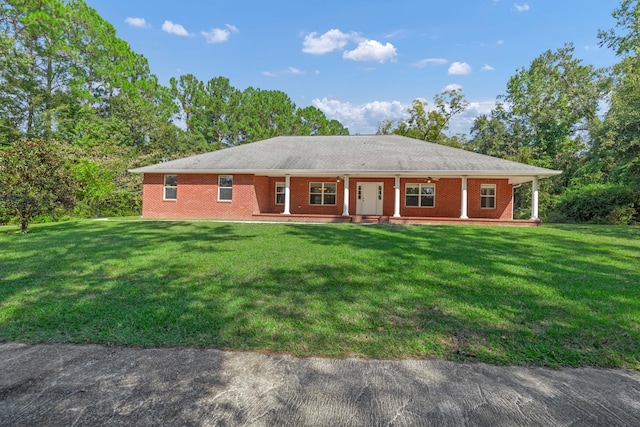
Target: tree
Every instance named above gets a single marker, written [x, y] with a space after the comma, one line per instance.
[189, 92]
[33, 181]
[312, 121]
[615, 156]
[627, 18]
[430, 125]
[546, 115]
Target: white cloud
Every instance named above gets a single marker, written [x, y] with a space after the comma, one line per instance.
[325, 43]
[521, 7]
[216, 35]
[365, 118]
[396, 33]
[500, 42]
[487, 67]
[175, 29]
[219, 35]
[362, 118]
[462, 122]
[288, 70]
[460, 68]
[452, 86]
[371, 50]
[137, 22]
[429, 61]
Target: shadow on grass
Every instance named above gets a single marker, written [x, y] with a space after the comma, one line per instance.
[526, 296]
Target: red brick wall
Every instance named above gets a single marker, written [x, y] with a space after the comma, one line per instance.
[447, 202]
[504, 202]
[300, 196]
[198, 197]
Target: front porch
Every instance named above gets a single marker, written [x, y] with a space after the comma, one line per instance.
[390, 199]
[381, 219]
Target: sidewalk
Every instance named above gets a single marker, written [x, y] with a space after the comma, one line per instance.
[90, 385]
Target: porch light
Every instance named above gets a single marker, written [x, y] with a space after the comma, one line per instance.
[429, 180]
[338, 178]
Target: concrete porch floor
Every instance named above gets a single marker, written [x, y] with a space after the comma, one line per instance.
[369, 219]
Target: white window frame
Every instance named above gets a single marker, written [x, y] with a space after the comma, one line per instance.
[419, 195]
[488, 196]
[323, 193]
[220, 187]
[167, 187]
[281, 186]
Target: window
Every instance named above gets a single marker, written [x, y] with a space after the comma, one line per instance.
[170, 187]
[488, 196]
[279, 193]
[420, 195]
[322, 193]
[225, 187]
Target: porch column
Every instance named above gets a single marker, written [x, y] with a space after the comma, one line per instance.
[534, 199]
[463, 209]
[287, 195]
[345, 204]
[396, 201]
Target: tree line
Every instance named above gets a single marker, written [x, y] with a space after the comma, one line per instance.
[69, 84]
[75, 93]
[560, 113]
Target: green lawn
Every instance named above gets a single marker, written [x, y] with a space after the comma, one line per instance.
[556, 295]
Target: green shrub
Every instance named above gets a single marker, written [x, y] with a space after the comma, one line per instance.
[599, 203]
[622, 215]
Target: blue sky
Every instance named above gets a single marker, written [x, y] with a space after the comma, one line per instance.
[360, 61]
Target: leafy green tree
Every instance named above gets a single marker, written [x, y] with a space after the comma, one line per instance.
[189, 92]
[221, 102]
[546, 116]
[312, 121]
[615, 155]
[625, 39]
[430, 125]
[262, 114]
[34, 181]
[60, 63]
[554, 100]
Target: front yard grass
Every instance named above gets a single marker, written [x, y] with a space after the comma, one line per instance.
[557, 295]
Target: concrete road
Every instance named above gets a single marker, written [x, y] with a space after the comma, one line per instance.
[74, 385]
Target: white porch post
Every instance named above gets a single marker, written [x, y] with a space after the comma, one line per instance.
[463, 209]
[534, 199]
[287, 195]
[396, 201]
[345, 204]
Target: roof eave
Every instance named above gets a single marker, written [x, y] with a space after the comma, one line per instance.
[543, 173]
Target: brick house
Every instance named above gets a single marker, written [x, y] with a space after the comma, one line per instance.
[374, 178]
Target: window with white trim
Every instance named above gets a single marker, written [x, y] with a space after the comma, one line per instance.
[488, 196]
[280, 193]
[170, 187]
[322, 193]
[420, 195]
[225, 187]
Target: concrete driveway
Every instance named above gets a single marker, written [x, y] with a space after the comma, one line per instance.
[94, 385]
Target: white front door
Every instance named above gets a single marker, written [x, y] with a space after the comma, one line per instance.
[369, 198]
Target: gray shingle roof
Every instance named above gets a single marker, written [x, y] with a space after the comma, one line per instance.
[356, 155]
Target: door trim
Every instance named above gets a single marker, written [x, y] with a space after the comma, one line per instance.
[374, 189]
